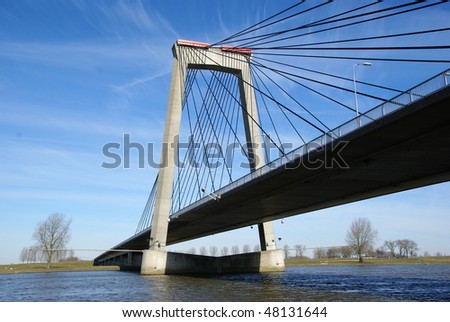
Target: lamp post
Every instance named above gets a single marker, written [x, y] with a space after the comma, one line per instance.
[367, 64]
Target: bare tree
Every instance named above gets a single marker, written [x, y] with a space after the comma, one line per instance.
[381, 252]
[257, 248]
[33, 254]
[203, 251]
[333, 252]
[413, 248]
[320, 252]
[235, 250]
[371, 252]
[52, 236]
[408, 247]
[299, 250]
[213, 250]
[402, 247]
[361, 236]
[246, 248]
[286, 251]
[24, 255]
[192, 250]
[391, 245]
[346, 252]
[224, 251]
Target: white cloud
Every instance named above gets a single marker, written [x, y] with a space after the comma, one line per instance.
[139, 81]
[84, 123]
[82, 55]
[123, 19]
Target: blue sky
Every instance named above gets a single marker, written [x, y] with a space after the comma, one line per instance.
[75, 75]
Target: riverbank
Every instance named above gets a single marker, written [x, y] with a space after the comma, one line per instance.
[88, 265]
[441, 260]
[79, 266]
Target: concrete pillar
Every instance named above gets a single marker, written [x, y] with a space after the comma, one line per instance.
[154, 260]
[255, 148]
[160, 220]
[267, 236]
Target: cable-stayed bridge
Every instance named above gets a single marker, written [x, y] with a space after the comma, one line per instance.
[255, 131]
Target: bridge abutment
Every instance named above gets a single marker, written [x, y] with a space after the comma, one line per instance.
[155, 262]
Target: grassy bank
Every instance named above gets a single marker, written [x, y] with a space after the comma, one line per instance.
[442, 260]
[56, 267]
[88, 266]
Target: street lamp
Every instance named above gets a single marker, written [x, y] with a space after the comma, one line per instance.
[446, 75]
[367, 64]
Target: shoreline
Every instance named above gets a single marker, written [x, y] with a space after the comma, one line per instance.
[433, 260]
[80, 266]
[87, 266]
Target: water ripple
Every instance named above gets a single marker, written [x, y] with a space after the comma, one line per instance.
[297, 284]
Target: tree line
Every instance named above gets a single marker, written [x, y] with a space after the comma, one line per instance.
[34, 254]
[401, 248]
[224, 251]
[360, 239]
[53, 234]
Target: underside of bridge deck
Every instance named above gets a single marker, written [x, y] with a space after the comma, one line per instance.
[407, 149]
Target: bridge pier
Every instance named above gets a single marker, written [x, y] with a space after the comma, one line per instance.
[156, 262]
[267, 236]
[153, 262]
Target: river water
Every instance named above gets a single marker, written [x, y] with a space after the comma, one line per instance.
[312, 284]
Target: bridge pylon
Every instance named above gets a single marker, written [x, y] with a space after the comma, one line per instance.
[156, 260]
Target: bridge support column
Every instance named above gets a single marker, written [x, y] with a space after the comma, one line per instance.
[156, 260]
[160, 221]
[153, 262]
[267, 236]
[255, 145]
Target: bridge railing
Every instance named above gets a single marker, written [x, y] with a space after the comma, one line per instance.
[400, 101]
